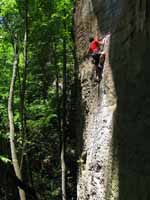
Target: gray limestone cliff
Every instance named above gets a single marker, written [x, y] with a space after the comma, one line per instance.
[114, 158]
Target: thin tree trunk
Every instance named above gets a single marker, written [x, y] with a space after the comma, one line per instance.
[23, 103]
[57, 92]
[25, 60]
[59, 120]
[11, 120]
[23, 86]
[59, 126]
[63, 169]
[63, 165]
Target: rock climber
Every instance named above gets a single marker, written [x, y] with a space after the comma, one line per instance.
[98, 57]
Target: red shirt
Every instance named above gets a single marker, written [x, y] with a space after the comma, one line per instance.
[94, 46]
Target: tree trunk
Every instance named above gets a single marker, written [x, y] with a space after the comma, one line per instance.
[23, 85]
[63, 165]
[11, 120]
[59, 128]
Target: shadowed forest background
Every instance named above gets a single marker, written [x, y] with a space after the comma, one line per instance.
[37, 58]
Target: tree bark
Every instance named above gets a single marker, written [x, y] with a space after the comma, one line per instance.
[11, 120]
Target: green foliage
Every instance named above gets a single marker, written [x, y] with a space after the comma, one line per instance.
[5, 159]
[8, 7]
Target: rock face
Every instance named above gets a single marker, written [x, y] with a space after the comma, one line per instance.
[115, 156]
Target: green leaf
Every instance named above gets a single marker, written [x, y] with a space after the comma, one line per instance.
[4, 159]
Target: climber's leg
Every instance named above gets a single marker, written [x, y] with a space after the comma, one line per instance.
[95, 57]
[97, 70]
[100, 70]
[100, 65]
[93, 74]
[102, 59]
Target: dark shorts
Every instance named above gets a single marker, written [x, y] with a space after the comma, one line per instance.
[96, 57]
